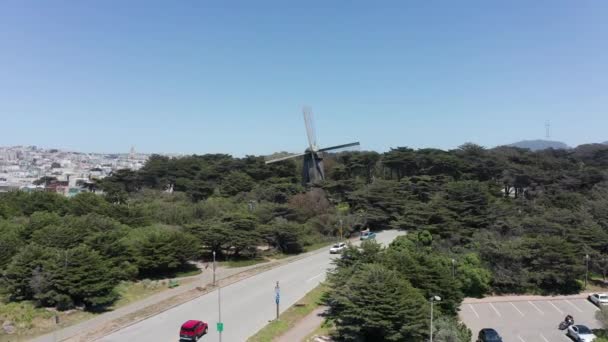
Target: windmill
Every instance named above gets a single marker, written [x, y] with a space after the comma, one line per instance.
[312, 170]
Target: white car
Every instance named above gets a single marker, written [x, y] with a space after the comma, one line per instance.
[599, 298]
[580, 333]
[337, 248]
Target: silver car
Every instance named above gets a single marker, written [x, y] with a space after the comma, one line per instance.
[599, 298]
[580, 333]
[337, 248]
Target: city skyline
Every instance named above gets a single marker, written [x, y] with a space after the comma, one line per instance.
[212, 78]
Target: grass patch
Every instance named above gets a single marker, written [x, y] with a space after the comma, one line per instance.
[291, 316]
[30, 321]
[133, 291]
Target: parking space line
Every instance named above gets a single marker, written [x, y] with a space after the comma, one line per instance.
[521, 339]
[493, 307]
[556, 308]
[544, 338]
[536, 307]
[590, 303]
[521, 313]
[574, 306]
[475, 312]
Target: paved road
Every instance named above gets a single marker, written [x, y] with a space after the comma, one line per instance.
[523, 320]
[247, 306]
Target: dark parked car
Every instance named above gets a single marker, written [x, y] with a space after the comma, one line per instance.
[488, 335]
[192, 330]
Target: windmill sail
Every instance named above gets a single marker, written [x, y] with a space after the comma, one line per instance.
[339, 147]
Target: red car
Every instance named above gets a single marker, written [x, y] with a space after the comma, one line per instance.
[192, 330]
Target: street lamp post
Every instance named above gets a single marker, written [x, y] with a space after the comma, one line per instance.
[219, 311]
[213, 268]
[453, 268]
[433, 299]
[586, 269]
[341, 229]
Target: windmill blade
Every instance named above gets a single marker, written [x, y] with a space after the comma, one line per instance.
[339, 147]
[285, 158]
[310, 127]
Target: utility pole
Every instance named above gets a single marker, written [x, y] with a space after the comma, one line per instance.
[341, 229]
[277, 291]
[213, 268]
[220, 325]
[586, 269]
[453, 268]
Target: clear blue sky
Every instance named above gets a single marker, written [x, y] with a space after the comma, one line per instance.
[231, 76]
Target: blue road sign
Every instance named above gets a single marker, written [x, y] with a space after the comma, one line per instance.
[277, 298]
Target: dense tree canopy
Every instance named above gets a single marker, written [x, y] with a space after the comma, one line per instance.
[479, 220]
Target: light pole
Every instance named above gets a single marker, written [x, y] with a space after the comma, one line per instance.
[453, 268]
[433, 299]
[219, 312]
[586, 269]
[341, 229]
[213, 268]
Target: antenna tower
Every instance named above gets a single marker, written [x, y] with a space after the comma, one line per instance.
[548, 130]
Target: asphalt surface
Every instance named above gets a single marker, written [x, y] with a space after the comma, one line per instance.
[529, 320]
[246, 306]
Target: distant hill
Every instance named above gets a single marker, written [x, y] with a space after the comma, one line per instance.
[537, 145]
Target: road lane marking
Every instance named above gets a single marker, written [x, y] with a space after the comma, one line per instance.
[556, 308]
[498, 313]
[536, 307]
[574, 306]
[521, 339]
[521, 313]
[315, 277]
[544, 338]
[475, 312]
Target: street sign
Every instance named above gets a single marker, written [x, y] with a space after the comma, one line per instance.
[220, 327]
[277, 298]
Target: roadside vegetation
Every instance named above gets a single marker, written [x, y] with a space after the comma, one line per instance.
[502, 220]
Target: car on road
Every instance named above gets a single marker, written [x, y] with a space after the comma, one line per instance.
[488, 335]
[598, 298]
[337, 248]
[192, 330]
[580, 333]
[368, 235]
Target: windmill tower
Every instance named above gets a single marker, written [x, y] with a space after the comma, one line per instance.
[312, 170]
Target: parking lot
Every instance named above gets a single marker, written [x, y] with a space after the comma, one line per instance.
[527, 319]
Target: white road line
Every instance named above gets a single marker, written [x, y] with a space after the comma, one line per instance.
[521, 313]
[544, 338]
[475, 312]
[521, 339]
[498, 313]
[536, 307]
[574, 306]
[556, 308]
[315, 277]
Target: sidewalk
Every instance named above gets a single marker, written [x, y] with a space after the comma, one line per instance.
[304, 327]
